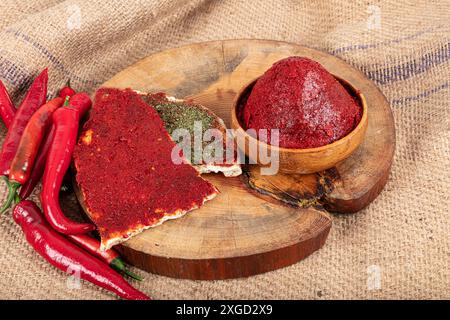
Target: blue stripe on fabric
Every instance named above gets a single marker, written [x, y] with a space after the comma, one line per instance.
[421, 95]
[55, 61]
[386, 42]
[13, 73]
[411, 68]
[17, 76]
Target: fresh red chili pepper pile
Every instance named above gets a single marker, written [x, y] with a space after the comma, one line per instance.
[39, 144]
[65, 255]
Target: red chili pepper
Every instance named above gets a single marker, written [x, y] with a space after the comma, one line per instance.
[41, 158]
[39, 165]
[7, 109]
[30, 142]
[66, 121]
[33, 100]
[111, 256]
[80, 102]
[66, 91]
[68, 257]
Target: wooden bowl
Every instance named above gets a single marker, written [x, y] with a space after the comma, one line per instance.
[301, 161]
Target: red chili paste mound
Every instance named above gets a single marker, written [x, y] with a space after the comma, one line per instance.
[125, 171]
[304, 101]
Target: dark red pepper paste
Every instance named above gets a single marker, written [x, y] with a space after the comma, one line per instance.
[125, 171]
[304, 101]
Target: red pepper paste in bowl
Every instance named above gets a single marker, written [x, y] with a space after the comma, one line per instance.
[304, 101]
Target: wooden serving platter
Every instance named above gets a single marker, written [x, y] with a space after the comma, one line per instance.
[257, 223]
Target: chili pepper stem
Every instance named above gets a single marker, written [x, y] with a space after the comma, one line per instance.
[5, 178]
[17, 199]
[66, 101]
[132, 275]
[12, 193]
[119, 265]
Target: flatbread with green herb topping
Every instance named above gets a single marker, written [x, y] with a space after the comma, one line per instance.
[182, 114]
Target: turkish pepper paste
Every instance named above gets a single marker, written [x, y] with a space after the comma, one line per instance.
[125, 171]
[304, 101]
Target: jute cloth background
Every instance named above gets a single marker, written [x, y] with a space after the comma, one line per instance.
[403, 237]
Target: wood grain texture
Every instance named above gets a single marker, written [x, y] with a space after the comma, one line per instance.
[253, 226]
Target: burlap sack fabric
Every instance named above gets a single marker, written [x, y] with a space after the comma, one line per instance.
[404, 46]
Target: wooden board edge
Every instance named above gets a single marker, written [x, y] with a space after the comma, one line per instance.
[226, 268]
[340, 205]
[345, 206]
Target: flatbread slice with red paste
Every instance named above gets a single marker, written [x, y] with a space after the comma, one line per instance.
[125, 174]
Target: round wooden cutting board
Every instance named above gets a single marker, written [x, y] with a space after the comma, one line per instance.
[257, 223]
